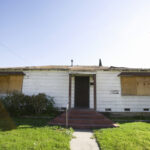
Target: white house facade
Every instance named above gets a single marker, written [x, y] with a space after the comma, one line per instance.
[105, 89]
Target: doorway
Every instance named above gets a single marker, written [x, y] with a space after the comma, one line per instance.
[81, 92]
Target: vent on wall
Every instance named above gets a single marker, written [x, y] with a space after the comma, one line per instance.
[127, 109]
[145, 109]
[107, 109]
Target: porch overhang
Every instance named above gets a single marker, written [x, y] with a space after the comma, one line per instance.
[81, 73]
[140, 74]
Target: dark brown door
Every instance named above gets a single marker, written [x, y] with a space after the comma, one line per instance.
[82, 92]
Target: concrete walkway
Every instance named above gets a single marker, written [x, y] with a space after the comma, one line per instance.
[83, 141]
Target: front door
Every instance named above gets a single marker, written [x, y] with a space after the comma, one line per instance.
[81, 92]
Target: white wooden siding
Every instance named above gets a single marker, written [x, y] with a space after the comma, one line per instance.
[52, 83]
[56, 84]
[108, 83]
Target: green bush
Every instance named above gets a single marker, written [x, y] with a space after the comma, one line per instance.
[18, 104]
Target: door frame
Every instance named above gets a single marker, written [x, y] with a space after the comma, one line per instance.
[70, 88]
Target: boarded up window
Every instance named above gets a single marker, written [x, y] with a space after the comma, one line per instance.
[4, 84]
[11, 83]
[143, 86]
[135, 85]
[128, 85]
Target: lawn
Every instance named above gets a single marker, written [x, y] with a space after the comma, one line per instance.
[33, 134]
[129, 136]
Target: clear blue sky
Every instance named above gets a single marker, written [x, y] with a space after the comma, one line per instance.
[52, 32]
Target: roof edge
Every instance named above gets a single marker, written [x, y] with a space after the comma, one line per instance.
[75, 68]
[127, 74]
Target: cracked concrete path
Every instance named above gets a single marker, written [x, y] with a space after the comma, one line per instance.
[83, 140]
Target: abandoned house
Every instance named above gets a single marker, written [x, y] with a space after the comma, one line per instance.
[104, 89]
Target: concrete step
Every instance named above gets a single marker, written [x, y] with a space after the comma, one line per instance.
[88, 121]
[83, 119]
[83, 116]
[87, 126]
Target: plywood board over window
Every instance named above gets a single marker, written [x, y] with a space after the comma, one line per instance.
[10, 83]
[135, 84]
[128, 86]
[4, 84]
[15, 83]
[143, 86]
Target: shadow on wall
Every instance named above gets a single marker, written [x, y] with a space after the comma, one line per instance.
[6, 123]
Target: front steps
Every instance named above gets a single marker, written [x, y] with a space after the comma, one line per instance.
[83, 119]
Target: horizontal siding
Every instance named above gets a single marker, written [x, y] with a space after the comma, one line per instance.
[56, 84]
[52, 83]
[107, 82]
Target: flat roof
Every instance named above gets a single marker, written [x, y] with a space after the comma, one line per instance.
[74, 68]
[52, 67]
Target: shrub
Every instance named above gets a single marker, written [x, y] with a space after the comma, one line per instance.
[18, 104]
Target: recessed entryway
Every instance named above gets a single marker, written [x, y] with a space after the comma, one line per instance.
[82, 92]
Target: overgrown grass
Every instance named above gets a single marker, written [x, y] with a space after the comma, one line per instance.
[129, 136]
[33, 134]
